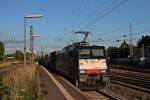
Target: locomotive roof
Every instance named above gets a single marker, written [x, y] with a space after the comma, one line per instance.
[72, 47]
[83, 47]
[93, 46]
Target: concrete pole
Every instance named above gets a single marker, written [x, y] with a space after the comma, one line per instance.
[24, 41]
[4, 52]
[143, 54]
[31, 44]
[32, 48]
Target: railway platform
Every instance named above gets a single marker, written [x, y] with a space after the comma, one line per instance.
[56, 89]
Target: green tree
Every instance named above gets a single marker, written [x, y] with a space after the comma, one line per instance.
[19, 55]
[145, 40]
[124, 50]
[121, 52]
[113, 52]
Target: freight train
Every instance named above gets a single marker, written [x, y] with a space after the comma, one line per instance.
[84, 65]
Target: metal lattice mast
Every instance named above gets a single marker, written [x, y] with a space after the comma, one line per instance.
[130, 40]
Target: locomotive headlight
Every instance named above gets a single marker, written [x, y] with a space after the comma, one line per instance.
[82, 71]
[103, 71]
[81, 63]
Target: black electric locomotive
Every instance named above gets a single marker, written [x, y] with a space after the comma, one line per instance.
[85, 65]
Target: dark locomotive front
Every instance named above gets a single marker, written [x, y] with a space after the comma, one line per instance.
[85, 65]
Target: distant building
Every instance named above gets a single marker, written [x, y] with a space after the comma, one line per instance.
[144, 47]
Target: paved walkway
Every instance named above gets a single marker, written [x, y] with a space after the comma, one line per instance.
[49, 88]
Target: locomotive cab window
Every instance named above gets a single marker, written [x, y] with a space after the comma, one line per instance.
[84, 53]
[98, 52]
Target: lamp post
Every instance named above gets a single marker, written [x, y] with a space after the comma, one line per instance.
[25, 18]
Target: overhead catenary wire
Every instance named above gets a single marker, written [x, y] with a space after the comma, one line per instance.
[80, 10]
[96, 10]
[77, 10]
[114, 7]
[121, 27]
[126, 33]
[91, 15]
[102, 15]
[118, 30]
[133, 34]
[106, 12]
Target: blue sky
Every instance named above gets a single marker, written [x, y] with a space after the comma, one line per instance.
[63, 16]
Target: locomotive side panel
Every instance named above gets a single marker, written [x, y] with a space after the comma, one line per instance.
[73, 65]
[67, 63]
[62, 63]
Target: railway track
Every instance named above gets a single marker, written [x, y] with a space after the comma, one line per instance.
[132, 82]
[103, 94]
[136, 88]
[132, 68]
[132, 77]
[8, 64]
[135, 80]
[107, 94]
[136, 77]
[12, 66]
[93, 95]
[141, 74]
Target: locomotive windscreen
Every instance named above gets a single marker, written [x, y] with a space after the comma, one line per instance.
[98, 52]
[89, 53]
[84, 53]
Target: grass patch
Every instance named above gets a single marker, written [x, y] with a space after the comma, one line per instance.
[21, 83]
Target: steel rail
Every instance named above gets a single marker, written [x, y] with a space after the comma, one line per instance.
[107, 95]
[131, 86]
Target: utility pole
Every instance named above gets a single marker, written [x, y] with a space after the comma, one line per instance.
[15, 41]
[16, 44]
[143, 53]
[15, 47]
[42, 51]
[24, 41]
[31, 44]
[4, 52]
[130, 40]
